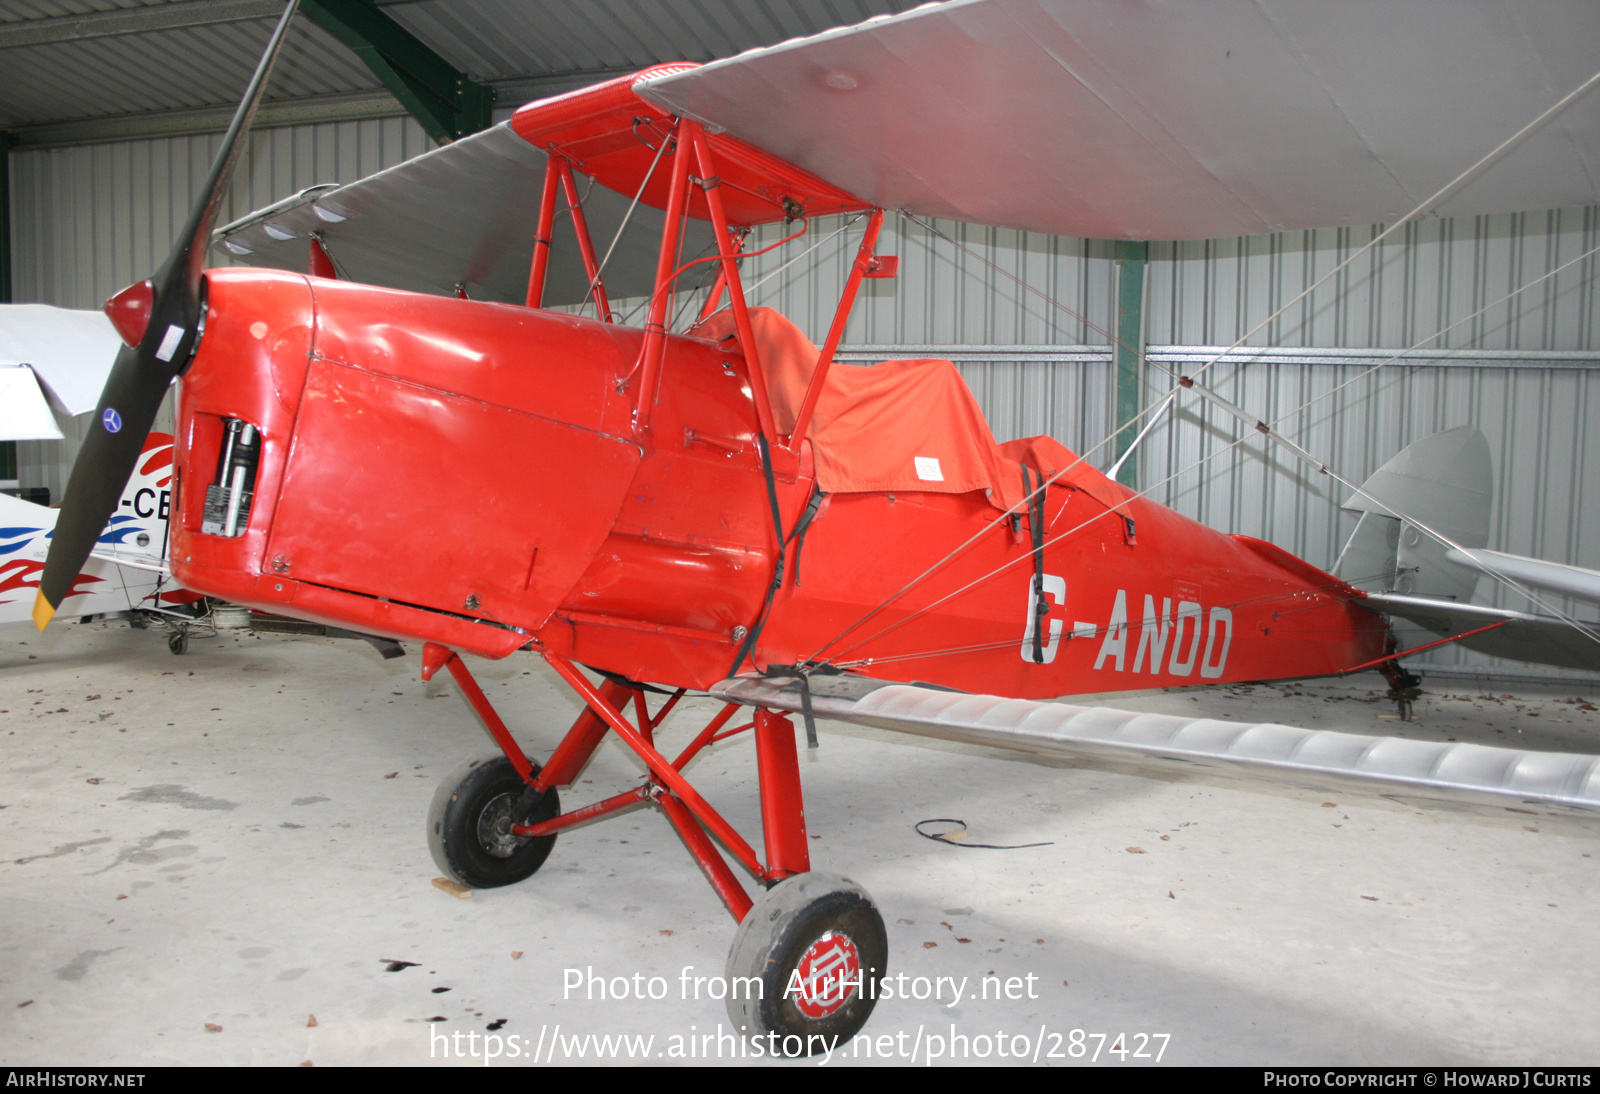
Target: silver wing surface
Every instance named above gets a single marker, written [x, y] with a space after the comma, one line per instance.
[1174, 119]
[1521, 636]
[1445, 770]
[71, 351]
[461, 215]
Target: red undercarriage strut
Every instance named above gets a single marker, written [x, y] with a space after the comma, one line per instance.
[702, 828]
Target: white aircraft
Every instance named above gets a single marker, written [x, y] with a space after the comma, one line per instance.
[61, 356]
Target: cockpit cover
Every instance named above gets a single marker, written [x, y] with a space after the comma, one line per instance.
[900, 426]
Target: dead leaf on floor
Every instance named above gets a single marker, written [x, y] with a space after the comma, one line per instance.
[515, 954]
[444, 884]
[122, 896]
[25, 1003]
[311, 1022]
[1170, 896]
[212, 1027]
[930, 945]
[663, 932]
[1166, 837]
[392, 775]
[306, 1063]
[1364, 896]
[1329, 805]
[1137, 851]
[92, 782]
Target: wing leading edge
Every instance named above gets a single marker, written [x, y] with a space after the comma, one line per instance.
[461, 216]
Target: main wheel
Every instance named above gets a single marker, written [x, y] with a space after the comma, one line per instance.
[805, 964]
[469, 824]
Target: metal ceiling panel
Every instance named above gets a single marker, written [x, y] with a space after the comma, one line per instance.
[204, 64]
[1175, 119]
[170, 70]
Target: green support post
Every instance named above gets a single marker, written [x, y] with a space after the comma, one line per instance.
[1131, 258]
[446, 103]
[5, 216]
[8, 449]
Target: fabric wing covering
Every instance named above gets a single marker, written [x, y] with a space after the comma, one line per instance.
[901, 426]
[1179, 119]
[458, 218]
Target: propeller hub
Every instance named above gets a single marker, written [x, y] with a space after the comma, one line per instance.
[129, 311]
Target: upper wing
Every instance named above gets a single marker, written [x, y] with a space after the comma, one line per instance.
[461, 215]
[1458, 771]
[1174, 119]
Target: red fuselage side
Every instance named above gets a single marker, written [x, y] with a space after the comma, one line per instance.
[466, 473]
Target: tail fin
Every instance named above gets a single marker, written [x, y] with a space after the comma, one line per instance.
[1444, 481]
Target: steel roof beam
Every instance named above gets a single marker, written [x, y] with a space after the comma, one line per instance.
[444, 101]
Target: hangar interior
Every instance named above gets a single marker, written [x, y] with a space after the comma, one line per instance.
[110, 114]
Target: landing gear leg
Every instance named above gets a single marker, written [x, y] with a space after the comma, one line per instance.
[810, 951]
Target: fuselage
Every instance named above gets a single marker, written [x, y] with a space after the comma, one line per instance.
[468, 473]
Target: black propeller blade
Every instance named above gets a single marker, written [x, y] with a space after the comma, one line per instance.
[172, 313]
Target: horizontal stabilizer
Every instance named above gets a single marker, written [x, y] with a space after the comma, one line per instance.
[1556, 576]
[1542, 639]
[1463, 771]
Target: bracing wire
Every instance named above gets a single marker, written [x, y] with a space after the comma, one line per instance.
[817, 655]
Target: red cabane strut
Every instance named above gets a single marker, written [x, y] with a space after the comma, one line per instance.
[611, 134]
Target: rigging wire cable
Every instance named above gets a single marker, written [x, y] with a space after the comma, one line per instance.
[1156, 407]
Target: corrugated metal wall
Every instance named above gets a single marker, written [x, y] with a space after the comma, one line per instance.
[1527, 370]
[90, 220]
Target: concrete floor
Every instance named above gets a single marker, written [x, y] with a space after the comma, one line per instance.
[235, 837]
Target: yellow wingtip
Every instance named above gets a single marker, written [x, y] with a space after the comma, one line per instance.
[43, 612]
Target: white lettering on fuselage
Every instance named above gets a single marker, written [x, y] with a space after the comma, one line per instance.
[1055, 588]
[1169, 641]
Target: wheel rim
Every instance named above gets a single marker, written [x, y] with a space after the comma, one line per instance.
[829, 974]
[494, 827]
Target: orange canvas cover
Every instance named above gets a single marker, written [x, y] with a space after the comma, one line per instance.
[899, 426]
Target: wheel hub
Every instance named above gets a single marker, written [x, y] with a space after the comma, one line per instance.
[829, 973]
[494, 827]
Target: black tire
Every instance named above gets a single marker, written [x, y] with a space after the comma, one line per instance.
[820, 921]
[470, 820]
[178, 641]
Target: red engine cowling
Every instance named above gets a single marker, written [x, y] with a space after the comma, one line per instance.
[425, 468]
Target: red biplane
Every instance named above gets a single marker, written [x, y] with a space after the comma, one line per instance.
[714, 505]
